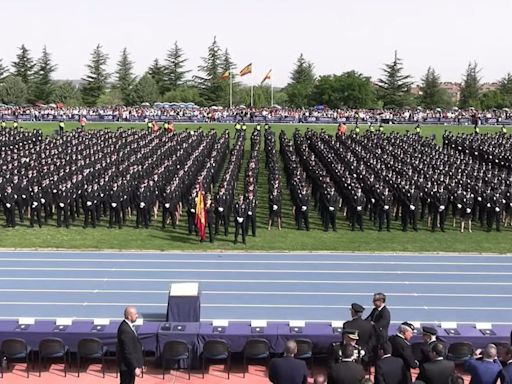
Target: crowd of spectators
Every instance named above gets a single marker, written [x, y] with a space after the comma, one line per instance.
[190, 112]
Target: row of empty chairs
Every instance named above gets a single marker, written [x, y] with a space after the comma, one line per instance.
[179, 351]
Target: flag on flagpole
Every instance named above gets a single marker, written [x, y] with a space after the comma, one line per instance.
[201, 213]
[246, 70]
[268, 76]
[226, 75]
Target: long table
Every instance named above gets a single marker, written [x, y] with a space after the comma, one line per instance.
[154, 335]
[72, 334]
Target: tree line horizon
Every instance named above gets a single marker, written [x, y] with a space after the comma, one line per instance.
[30, 81]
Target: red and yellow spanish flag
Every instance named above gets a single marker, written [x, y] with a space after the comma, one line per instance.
[201, 213]
[267, 76]
[226, 75]
[246, 70]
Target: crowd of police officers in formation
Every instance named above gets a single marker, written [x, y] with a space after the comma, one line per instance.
[112, 175]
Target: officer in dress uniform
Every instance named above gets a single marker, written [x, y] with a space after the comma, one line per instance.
[429, 338]
[302, 209]
[240, 215]
[358, 204]
[89, 204]
[251, 213]
[210, 218]
[364, 328]
[114, 201]
[35, 206]
[221, 211]
[351, 337]
[62, 201]
[9, 200]
[384, 206]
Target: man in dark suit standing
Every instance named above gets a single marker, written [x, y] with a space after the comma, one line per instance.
[438, 370]
[505, 374]
[288, 370]
[346, 371]
[389, 369]
[485, 370]
[129, 348]
[402, 349]
[380, 318]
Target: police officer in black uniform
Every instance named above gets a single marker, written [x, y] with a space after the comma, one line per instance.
[240, 215]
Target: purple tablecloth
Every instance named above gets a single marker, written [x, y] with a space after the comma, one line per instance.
[237, 334]
[75, 332]
[469, 333]
[185, 309]
[320, 334]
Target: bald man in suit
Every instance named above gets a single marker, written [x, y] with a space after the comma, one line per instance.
[129, 349]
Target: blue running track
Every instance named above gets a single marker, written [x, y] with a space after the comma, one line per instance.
[270, 286]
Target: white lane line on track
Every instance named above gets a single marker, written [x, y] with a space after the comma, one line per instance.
[256, 253]
[274, 293]
[189, 261]
[99, 304]
[142, 270]
[266, 281]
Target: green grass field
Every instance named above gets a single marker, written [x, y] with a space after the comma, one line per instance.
[289, 239]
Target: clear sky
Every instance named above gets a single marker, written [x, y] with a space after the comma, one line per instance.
[335, 35]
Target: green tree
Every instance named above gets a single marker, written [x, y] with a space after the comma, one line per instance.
[432, 95]
[145, 90]
[505, 88]
[301, 84]
[68, 93]
[13, 91]
[470, 89]
[229, 65]
[112, 96]
[350, 89]
[493, 99]
[43, 86]
[174, 69]
[394, 86]
[125, 78]
[23, 67]
[4, 71]
[96, 80]
[209, 83]
[157, 73]
[184, 94]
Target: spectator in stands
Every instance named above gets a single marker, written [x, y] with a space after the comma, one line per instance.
[389, 369]
[288, 370]
[346, 371]
[486, 370]
[438, 370]
[401, 348]
[505, 374]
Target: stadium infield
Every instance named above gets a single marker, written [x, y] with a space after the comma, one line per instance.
[289, 239]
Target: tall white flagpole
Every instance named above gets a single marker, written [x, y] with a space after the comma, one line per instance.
[252, 88]
[271, 90]
[231, 89]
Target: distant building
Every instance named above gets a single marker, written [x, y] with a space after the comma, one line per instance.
[486, 87]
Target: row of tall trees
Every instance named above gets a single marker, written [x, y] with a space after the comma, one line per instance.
[30, 80]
